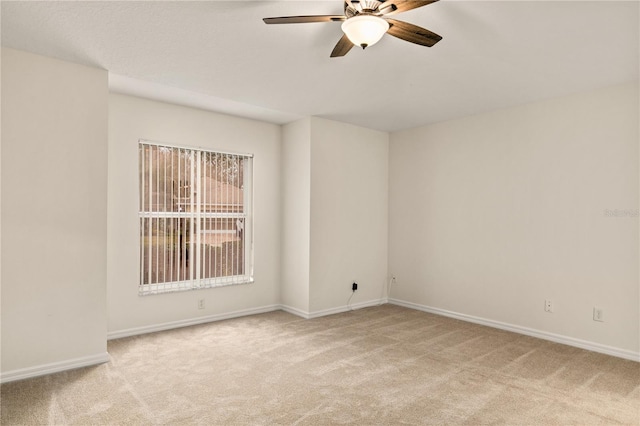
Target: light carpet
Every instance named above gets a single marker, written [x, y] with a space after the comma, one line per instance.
[386, 365]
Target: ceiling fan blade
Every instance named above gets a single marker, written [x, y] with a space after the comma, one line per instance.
[303, 19]
[391, 7]
[412, 33]
[342, 48]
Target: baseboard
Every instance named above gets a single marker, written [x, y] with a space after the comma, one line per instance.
[346, 308]
[185, 323]
[54, 367]
[331, 311]
[118, 334]
[557, 338]
[295, 311]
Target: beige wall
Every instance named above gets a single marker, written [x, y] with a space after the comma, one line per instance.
[484, 216]
[492, 214]
[335, 215]
[131, 119]
[54, 201]
[349, 190]
[296, 214]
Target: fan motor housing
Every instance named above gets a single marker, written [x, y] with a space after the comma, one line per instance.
[368, 6]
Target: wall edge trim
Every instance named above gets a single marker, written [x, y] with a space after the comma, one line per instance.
[71, 364]
[295, 311]
[347, 308]
[118, 334]
[54, 367]
[557, 338]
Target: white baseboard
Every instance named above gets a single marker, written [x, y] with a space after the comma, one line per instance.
[346, 308]
[54, 367]
[235, 314]
[192, 321]
[295, 311]
[578, 343]
[331, 311]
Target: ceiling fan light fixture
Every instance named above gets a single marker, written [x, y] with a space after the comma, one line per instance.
[365, 30]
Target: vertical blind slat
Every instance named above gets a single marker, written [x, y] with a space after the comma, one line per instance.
[141, 182]
[149, 224]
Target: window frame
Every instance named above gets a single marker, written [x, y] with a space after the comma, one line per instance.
[195, 282]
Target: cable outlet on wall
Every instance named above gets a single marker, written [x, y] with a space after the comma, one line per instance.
[548, 305]
[354, 286]
[393, 279]
[598, 314]
[201, 304]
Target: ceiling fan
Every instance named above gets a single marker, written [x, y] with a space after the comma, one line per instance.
[365, 22]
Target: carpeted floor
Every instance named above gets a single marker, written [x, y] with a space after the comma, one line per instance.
[384, 365]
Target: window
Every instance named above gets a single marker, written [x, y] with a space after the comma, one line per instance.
[195, 218]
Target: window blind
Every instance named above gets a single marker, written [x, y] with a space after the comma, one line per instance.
[195, 218]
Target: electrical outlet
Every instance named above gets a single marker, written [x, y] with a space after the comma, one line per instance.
[548, 305]
[598, 314]
[201, 304]
[354, 286]
[393, 279]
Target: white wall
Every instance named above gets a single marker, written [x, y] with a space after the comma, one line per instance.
[296, 215]
[335, 216]
[54, 200]
[492, 214]
[349, 215]
[485, 216]
[131, 119]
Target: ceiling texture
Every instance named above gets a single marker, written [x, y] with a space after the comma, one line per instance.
[220, 55]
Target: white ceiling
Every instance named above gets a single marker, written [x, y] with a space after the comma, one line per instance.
[220, 55]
